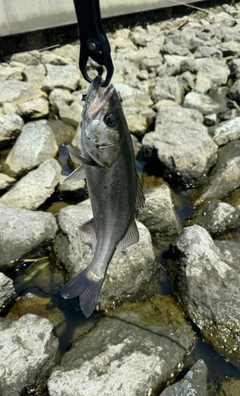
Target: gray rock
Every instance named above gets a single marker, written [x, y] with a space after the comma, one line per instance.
[159, 215]
[203, 103]
[34, 74]
[224, 179]
[27, 58]
[7, 72]
[36, 108]
[234, 92]
[35, 145]
[227, 131]
[18, 92]
[208, 52]
[234, 67]
[28, 348]
[185, 151]
[48, 57]
[230, 10]
[171, 65]
[219, 217]
[167, 88]
[210, 71]
[194, 382]
[10, 126]
[229, 48]
[230, 387]
[196, 262]
[34, 188]
[63, 132]
[6, 181]
[126, 353]
[176, 114]
[7, 290]
[68, 51]
[129, 270]
[66, 77]
[24, 230]
[63, 103]
[76, 186]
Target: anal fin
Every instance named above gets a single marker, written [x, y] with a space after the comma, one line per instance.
[130, 238]
[89, 229]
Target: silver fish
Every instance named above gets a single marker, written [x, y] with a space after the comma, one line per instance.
[108, 164]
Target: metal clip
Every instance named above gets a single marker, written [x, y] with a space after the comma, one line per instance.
[94, 42]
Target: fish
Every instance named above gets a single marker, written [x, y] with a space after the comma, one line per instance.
[107, 162]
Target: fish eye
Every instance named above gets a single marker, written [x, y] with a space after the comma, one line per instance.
[110, 120]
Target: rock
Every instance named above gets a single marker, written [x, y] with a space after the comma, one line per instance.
[28, 348]
[185, 151]
[35, 145]
[69, 52]
[208, 52]
[130, 269]
[176, 114]
[7, 291]
[27, 58]
[7, 72]
[230, 10]
[38, 305]
[229, 48]
[203, 103]
[193, 383]
[218, 217]
[206, 78]
[34, 188]
[18, 92]
[69, 110]
[78, 186]
[6, 181]
[63, 132]
[224, 179]
[230, 387]
[36, 108]
[24, 230]
[112, 358]
[196, 262]
[234, 67]
[227, 131]
[66, 77]
[10, 126]
[34, 74]
[167, 88]
[159, 215]
[234, 92]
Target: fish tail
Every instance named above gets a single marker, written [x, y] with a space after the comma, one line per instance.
[87, 287]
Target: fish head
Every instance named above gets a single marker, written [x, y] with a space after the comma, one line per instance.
[101, 137]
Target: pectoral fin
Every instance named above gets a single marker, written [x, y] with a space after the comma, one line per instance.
[76, 157]
[130, 238]
[76, 175]
[89, 229]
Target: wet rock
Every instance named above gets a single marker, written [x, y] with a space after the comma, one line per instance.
[167, 88]
[35, 145]
[185, 151]
[10, 126]
[203, 103]
[28, 348]
[159, 215]
[119, 362]
[30, 303]
[24, 230]
[130, 269]
[230, 387]
[6, 181]
[196, 262]
[18, 92]
[35, 188]
[218, 217]
[36, 108]
[66, 77]
[227, 131]
[193, 383]
[7, 290]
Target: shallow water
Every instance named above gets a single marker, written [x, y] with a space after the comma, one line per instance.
[40, 274]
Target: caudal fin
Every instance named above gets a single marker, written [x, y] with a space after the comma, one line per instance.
[87, 286]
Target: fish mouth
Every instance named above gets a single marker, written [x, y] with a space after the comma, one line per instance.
[97, 97]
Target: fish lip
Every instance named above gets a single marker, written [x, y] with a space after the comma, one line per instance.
[97, 97]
